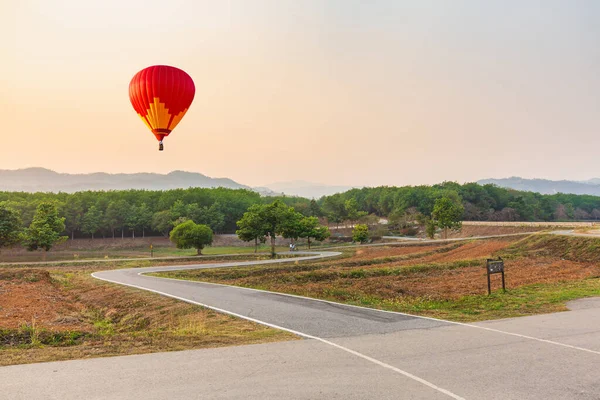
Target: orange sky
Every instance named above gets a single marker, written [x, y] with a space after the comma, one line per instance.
[339, 92]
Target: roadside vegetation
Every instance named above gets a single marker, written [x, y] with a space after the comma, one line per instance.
[446, 281]
[61, 314]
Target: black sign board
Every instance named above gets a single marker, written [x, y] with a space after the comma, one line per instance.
[495, 267]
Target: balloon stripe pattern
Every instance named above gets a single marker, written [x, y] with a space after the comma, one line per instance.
[161, 95]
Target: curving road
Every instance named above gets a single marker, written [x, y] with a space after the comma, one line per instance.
[349, 353]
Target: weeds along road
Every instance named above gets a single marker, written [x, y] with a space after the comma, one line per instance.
[348, 353]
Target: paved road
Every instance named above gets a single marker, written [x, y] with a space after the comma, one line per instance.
[348, 353]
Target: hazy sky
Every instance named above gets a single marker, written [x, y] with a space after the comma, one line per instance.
[340, 92]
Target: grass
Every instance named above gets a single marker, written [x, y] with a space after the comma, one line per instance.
[449, 282]
[523, 301]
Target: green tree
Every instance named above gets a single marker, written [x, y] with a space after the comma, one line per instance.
[252, 227]
[161, 222]
[335, 209]
[144, 218]
[10, 226]
[111, 218]
[447, 214]
[290, 226]
[45, 229]
[314, 210]
[189, 235]
[430, 228]
[122, 210]
[92, 221]
[352, 213]
[360, 233]
[211, 216]
[311, 229]
[274, 217]
[131, 221]
[179, 210]
[73, 213]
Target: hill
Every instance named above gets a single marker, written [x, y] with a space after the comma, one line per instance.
[45, 180]
[545, 186]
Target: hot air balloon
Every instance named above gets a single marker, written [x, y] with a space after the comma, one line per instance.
[161, 95]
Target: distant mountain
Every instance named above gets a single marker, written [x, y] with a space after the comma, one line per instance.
[545, 186]
[309, 190]
[45, 180]
[593, 181]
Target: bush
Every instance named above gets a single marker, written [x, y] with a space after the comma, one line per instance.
[360, 233]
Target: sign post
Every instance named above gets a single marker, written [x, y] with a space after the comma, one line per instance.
[495, 267]
[151, 251]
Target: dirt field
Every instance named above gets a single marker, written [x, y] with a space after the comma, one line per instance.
[446, 281]
[58, 315]
[468, 230]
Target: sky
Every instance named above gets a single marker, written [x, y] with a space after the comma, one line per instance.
[342, 92]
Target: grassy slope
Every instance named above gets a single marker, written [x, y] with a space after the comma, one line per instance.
[543, 272]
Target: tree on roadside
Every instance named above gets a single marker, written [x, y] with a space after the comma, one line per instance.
[447, 214]
[360, 233]
[189, 235]
[10, 226]
[252, 227]
[311, 229]
[274, 216]
[92, 221]
[45, 229]
[290, 226]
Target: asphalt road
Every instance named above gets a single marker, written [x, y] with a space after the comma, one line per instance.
[348, 353]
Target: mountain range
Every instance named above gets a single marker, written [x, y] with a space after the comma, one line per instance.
[545, 186]
[45, 180]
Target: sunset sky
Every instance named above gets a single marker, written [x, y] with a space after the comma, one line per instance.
[341, 92]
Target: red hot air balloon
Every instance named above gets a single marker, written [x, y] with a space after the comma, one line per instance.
[161, 95]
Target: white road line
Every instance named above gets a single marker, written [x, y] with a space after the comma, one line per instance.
[347, 350]
[385, 311]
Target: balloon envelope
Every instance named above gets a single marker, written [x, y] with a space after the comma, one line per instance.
[161, 95]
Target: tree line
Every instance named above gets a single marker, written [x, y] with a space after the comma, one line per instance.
[479, 203]
[131, 213]
[278, 219]
[134, 213]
